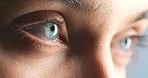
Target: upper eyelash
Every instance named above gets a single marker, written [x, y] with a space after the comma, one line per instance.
[36, 17]
[20, 33]
[142, 41]
[17, 26]
[141, 44]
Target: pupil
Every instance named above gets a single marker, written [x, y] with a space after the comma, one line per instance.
[126, 41]
[52, 28]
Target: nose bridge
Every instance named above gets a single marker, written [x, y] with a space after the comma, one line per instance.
[98, 65]
[103, 53]
[102, 58]
[104, 64]
[93, 48]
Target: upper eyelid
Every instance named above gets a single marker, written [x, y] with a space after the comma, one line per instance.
[126, 33]
[14, 25]
[38, 17]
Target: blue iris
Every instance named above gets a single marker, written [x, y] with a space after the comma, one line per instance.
[51, 31]
[126, 43]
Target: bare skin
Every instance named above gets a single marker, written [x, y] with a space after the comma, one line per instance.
[92, 30]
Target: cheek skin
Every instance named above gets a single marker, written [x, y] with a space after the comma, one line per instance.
[73, 67]
[120, 58]
[25, 67]
[85, 59]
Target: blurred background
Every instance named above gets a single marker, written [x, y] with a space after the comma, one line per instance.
[138, 67]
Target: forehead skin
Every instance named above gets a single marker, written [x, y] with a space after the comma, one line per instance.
[117, 9]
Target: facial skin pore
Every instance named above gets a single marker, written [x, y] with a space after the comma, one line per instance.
[92, 26]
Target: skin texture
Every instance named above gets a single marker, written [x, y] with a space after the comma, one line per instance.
[92, 33]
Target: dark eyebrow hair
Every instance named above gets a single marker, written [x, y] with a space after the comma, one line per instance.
[140, 16]
[72, 3]
[83, 5]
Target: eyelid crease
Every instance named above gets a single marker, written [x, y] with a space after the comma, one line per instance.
[14, 25]
[125, 33]
[37, 17]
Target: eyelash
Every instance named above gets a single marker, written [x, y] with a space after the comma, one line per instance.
[31, 26]
[37, 41]
[30, 38]
[120, 47]
[141, 43]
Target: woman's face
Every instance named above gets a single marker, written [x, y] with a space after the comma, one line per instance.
[69, 38]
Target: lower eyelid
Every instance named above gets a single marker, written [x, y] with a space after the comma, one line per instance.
[121, 58]
[35, 46]
[122, 53]
[12, 43]
[25, 36]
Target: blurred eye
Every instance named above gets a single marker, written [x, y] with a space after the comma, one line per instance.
[126, 43]
[121, 46]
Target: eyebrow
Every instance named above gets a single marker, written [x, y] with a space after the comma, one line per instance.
[83, 5]
[72, 3]
[140, 16]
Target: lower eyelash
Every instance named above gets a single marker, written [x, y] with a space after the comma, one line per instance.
[19, 33]
[32, 41]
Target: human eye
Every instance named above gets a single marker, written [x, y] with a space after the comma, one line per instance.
[122, 45]
[39, 31]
